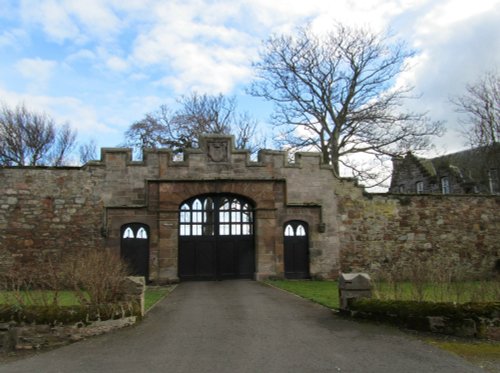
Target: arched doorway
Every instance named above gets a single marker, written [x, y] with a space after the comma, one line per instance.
[296, 241]
[216, 238]
[134, 248]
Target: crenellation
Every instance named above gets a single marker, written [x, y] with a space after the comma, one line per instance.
[308, 160]
[78, 208]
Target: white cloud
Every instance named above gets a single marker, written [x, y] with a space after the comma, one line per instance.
[446, 14]
[117, 64]
[53, 17]
[208, 45]
[13, 38]
[82, 117]
[81, 55]
[196, 52]
[73, 20]
[37, 71]
[455, 45]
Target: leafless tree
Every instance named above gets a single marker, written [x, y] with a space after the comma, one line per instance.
[197, 114]
[337, 93]
[88, 151]
[481, 105]
[64, 143]
[28, 138]
[150, 131]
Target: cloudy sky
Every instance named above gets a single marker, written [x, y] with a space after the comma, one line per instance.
[102, 64]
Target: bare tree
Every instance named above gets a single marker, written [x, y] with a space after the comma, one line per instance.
[28, 138]
[481, 105]
[337, 94]
[88, 151]
[150, 131]
[64, 143]
[197, 114]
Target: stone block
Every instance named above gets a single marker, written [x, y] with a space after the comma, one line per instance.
[134, 288]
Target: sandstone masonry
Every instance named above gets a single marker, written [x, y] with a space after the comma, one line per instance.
[66, 209]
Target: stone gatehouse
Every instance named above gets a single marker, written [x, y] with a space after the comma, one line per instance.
[217, 214]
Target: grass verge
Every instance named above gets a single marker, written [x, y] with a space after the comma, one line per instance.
[322, 292]
[154, 294]
[326, 292]
[484, 354]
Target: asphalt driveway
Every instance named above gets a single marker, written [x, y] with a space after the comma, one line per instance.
[244, 326]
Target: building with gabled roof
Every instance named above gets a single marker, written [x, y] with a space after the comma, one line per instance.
[473, 171]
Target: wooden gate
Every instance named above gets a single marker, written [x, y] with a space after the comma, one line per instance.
[216, 238]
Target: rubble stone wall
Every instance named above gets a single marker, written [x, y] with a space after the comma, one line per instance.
[378, 231]
[63, 209]
[44, 210]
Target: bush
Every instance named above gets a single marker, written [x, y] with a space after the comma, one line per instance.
[95, 276]
[405, 309]
[52, 315]
[415, 315]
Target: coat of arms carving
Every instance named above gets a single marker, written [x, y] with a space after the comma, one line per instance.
[217, 151]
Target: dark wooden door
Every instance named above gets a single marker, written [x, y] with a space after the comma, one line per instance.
[296, 241]
[135, 248]
[216, 238]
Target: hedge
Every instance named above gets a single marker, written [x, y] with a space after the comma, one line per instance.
[416, 315]
[56, 315]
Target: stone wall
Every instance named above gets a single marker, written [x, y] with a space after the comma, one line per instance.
[44, 210]
[49, 209]
[378, 231]
[64, 209]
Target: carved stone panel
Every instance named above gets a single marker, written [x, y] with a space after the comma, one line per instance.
[218, 151]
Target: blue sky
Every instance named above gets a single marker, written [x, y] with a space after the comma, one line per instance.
[102, 64]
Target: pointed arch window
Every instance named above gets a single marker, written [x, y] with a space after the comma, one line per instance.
[128, 233]
[142, 234]
[298, 231]
[216, 215]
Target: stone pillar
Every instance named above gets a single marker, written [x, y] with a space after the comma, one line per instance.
[134, 288]
[353, 286]
[265, 244]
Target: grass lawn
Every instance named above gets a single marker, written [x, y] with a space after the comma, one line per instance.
[458, 292]
[68, 298]
[322, 292]
[64, 297]
[326, 292]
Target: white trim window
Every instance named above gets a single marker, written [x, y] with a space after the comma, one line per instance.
[445, 185]
[419, 186]
[493, 181]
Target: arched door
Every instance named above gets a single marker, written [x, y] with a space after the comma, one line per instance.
[296, 241]
[135, 248]
[216, 238]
